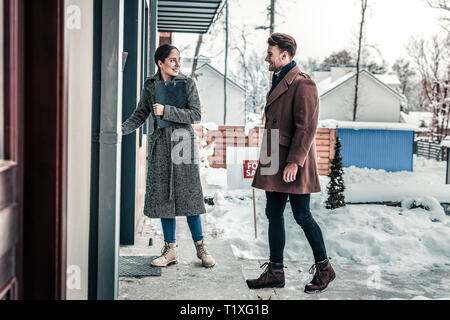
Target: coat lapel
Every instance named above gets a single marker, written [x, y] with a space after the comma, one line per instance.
[283, 86]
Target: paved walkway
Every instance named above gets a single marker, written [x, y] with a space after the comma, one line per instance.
[226, 281]
[187, 280]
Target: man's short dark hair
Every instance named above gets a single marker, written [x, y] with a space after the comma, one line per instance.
[284, 42]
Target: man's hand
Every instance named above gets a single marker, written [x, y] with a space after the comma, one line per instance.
[290, 173]
[158, 109]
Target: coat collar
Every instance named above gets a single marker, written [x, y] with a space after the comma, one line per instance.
[157, 77]
[283, 86]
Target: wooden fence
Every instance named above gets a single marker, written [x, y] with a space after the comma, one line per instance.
[234, 136]
[430, 150]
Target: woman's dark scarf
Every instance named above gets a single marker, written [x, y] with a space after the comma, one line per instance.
[284, 71]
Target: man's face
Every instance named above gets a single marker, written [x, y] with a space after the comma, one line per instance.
[276, 58]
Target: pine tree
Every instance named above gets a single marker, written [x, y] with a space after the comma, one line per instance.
[336, 187]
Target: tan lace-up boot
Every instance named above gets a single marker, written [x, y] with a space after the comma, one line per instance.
[168, 256]
[202, 253]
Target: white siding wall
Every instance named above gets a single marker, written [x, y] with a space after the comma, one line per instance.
[376, 104]
[79, 149]
[210, 89]
[2, 143]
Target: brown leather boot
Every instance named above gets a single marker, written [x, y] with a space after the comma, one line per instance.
[322, 278]
[270, 278]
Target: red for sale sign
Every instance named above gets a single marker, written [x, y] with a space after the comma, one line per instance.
[250, 167]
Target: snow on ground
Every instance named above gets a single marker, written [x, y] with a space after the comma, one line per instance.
[370, 185]
[394, 239]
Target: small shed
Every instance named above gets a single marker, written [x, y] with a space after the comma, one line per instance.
[375, 145]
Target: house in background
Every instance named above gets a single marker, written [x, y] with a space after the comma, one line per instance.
[379, 101]
[210, 85]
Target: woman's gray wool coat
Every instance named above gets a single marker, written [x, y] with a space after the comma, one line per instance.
[172, 189]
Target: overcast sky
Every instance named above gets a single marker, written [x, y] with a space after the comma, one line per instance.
[325, 26]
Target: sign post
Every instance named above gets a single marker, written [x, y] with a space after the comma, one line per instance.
[250, 167]
[242, 163]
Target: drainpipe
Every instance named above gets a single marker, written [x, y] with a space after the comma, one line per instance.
[110, 150]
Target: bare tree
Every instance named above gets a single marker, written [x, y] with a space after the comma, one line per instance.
[408, 81]
[342, 57]
[255, 79]
[272, 16]
[358, 59]
[432, 61]
[196, 55]
[271, 13]
[439, 4]
[442, 5]
[226, 64]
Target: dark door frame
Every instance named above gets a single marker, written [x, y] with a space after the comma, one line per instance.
[128, 170]
[45, 147]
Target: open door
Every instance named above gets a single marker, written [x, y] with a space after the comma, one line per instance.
[11, 164]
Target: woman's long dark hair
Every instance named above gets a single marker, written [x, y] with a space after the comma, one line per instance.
[163, 52]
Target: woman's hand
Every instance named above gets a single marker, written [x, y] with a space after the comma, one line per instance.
[158, 109]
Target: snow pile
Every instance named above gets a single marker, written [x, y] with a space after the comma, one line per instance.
[418, 119]
[250, 126]
[210, 126]
[446, 142]
[428, 203]
[369, 235]
[205, 152]
[396, 239]
[370, 185]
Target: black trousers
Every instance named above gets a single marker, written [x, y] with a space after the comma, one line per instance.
[276, 203]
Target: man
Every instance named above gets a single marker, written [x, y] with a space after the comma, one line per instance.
[292, 108]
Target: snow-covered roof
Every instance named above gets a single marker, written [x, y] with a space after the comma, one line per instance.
[361, 125]
[327, 86]
[207, 65]
[389, 79]
[417, 118]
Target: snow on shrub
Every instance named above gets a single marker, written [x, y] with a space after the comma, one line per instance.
[428, 203]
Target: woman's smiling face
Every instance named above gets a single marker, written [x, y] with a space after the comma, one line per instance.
[171, 66]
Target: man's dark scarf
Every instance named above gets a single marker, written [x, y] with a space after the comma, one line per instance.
[284, 71]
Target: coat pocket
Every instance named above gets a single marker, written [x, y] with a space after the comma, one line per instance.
[285, 141]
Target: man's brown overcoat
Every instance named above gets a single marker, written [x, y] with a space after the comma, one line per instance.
[293, 109]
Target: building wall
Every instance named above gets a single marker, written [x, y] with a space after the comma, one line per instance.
[141, 148]
[376, 104]
[1, 84]
[79, 145]
[377, 149]
[210, 89]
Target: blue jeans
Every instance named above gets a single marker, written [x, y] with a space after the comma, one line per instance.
[195, 225]
[276, 203]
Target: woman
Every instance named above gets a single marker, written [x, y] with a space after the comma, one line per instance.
[173, 190]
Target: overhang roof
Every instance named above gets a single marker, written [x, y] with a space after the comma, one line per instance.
[190, 16]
